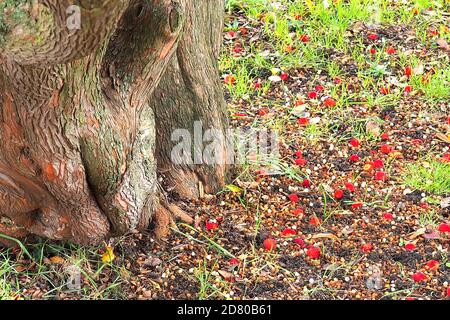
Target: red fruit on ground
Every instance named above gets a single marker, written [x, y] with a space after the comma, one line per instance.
[284, 76]
[432, 265]
[329, 103]
[410, 246]
[230, 79]
[293, 197]
[263, 112]
[384, 136]
[378, 163]
[258, 85]
[301, 162]
[300, 242]
[373, 36]
[313, 252]
[380, 176]
[390, 50]
[312, 95]
[314, 221]
[367, 247]
[303, 121]
[419, 277]
[304, 38]
[373, 51]
[388, 216]
[354, 142]
[357, 205]
[354, 158]
[270, 244]
[319, 88]
[408, 71]
[211, 225]
[444, 227]
[408, 89]
[306, 183]
[234, 262]
[384, 90]
[350, 186]
[299, 154]
[448, 292]
[287, 232]
[298, 212]
[338, 194]
[386, 149]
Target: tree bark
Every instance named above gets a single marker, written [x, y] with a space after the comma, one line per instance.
[79, 115]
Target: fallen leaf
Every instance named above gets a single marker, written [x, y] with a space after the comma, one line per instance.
[57, 260]
[326, 235]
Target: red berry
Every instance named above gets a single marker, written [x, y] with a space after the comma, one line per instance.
[303, 121]
[350, 186]
[354, 158]
[380, 176]
[304, 38]
[270, 244]
[390, 50]
[300, 242]
[329, 102]
[373, 36]
[419, 277]
[432, 265]
[301, 162]
[408, 71]
[284, 76]
[314, 221]
[211, 225]
[408, 89]
[312, 95]
[357, 205]
[410, 246]
[287, 232]
[313, 252]
[386, 149]
[444, 227]
[298, 212]
[384, 90]
[367, 247]
[306, 183]
[388, 216]
[293, 197]
[338, 194]
[354, 142]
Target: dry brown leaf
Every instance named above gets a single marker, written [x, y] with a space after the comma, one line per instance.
[57, 260]
[442, 137]
[443, 44]
[417, 233]
[228, 276]
[326, 235]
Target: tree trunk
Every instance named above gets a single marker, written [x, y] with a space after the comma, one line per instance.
[81, 107]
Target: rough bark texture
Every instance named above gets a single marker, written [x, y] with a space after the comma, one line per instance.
[77, 125]
[191, 91]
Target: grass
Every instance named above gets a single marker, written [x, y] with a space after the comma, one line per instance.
[430, 176]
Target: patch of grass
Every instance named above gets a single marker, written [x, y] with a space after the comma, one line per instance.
[430, 176]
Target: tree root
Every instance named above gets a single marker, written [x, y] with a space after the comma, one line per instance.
[165, 218]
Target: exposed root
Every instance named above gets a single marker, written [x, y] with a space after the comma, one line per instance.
[166, 216]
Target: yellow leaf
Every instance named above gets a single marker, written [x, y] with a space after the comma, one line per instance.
[108, 256]
[234, 189]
